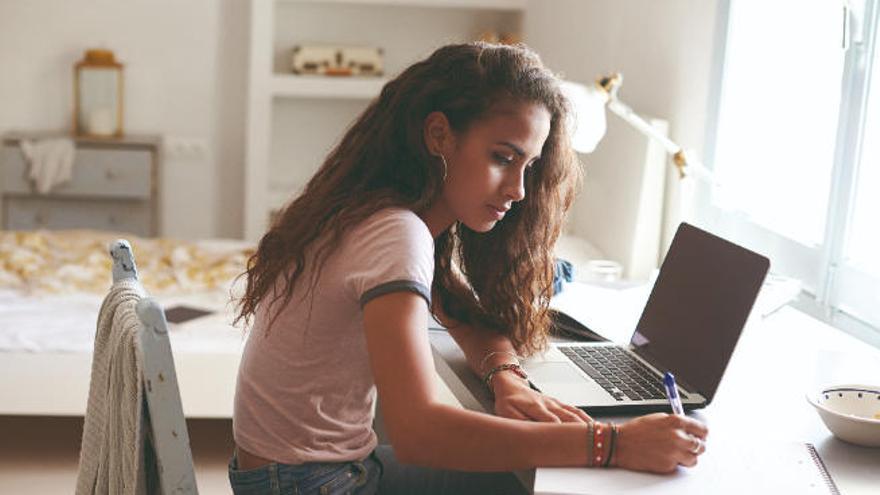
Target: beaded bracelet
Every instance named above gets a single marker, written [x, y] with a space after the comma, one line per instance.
[514, 367]
[599, 445]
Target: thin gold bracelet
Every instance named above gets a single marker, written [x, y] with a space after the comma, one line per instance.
[492, 353]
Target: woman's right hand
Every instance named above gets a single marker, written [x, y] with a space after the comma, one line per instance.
[659, 442]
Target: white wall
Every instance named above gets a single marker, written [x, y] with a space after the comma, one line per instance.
[186, 75]
[663, 48]
[185, 72]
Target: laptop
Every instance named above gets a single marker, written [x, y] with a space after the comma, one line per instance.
[690, 326]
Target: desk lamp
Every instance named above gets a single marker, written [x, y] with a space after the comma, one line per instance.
[588, 104]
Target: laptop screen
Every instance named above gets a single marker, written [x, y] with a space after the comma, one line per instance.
[698, 307]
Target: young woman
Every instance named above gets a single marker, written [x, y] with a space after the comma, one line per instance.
[445, 197]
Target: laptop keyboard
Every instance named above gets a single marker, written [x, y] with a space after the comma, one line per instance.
[623, 376]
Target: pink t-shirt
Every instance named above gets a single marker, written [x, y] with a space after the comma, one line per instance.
[305, 391]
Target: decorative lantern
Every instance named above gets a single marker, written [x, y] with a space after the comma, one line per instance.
[97, 89]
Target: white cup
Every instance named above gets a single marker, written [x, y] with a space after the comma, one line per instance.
[603, 271]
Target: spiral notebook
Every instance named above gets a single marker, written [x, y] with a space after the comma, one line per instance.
[764, 467]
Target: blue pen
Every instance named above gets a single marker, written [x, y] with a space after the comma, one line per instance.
[672, 394]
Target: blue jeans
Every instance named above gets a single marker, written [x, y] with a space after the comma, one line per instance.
[319, 478]
[379, 473]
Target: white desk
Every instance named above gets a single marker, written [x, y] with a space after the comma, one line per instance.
[780, 352]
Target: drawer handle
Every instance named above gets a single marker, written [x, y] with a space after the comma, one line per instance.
[40, 219]
[110, 175]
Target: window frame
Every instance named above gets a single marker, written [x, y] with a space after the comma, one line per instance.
[835, 290]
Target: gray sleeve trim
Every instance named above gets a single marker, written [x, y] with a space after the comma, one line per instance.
[396, 286]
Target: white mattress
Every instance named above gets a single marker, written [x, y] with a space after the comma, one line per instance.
[66, 323]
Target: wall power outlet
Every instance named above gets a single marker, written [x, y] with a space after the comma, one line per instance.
[189, 148]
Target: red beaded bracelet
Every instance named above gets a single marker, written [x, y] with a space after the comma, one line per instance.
[603, 437]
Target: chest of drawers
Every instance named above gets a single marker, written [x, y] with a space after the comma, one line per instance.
[113, 187]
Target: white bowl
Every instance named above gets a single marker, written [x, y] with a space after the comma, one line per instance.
[851, 412]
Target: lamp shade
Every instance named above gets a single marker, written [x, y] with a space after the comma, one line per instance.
[586, 122]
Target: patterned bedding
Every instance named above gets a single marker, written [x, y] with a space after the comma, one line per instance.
[74, 261]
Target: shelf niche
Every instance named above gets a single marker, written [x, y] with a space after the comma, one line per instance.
[294, 120]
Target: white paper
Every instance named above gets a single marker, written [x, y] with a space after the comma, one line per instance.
[725, 468]
[611, 312]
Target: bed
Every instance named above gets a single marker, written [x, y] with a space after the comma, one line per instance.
[52, 284]
[51, 288]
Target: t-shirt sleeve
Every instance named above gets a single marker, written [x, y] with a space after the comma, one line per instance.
[391, 251]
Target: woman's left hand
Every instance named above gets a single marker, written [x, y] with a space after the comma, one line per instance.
[515, 399]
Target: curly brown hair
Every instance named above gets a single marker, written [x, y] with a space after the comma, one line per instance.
[499, 280]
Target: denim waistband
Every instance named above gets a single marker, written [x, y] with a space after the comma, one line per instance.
[324, 478]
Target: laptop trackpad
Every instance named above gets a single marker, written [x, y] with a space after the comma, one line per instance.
[554, 372]
[564, 381]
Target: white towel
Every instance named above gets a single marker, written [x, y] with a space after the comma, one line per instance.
[50, 160]
[111, 456]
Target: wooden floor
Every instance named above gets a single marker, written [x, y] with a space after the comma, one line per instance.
[39, 455]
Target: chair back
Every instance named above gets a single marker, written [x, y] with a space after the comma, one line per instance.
[167, 456]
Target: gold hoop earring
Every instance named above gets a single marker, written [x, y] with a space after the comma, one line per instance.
[445, 165]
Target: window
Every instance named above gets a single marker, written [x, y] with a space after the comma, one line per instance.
[795, 145]
[864, 242]
[779, 114]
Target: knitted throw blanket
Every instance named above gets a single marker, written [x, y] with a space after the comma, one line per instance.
[112, 446]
